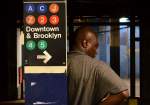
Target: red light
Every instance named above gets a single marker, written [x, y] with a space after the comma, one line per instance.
[54, 8]
[42, 19]
[30, 20]
[54, 19]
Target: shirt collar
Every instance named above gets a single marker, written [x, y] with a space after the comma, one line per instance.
[77, 52]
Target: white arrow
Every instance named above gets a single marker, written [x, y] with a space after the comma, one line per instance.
[46, 57]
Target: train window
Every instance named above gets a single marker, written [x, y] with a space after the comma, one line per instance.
[137, 61]
[107, 28]
[125, 57]
[125, 54]
[137, 69]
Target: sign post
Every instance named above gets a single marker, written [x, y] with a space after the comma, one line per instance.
[44, 55]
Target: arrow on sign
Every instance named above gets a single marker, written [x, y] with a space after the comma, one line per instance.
[46, 57]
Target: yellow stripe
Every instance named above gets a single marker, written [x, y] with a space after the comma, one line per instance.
[22, 38]
[133, 102]
[45, 69]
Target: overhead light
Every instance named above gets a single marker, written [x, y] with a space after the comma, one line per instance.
[124, 19]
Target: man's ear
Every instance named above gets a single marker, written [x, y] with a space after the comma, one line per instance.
[84, 44]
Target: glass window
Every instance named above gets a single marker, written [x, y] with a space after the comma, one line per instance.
[137, 69]
[125, 54]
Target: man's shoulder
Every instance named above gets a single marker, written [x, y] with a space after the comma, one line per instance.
[85, 58]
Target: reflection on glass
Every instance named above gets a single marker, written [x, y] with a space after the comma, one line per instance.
[137, 69]
[125, 54]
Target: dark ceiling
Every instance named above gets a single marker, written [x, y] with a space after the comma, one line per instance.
[107, 7]
[98, 8]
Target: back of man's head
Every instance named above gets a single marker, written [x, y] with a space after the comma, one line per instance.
[79, 35]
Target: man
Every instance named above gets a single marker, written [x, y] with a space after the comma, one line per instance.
[91, 82]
